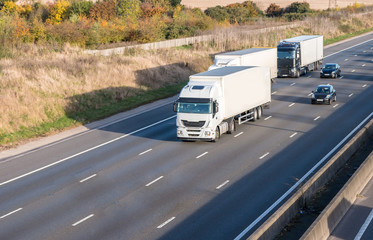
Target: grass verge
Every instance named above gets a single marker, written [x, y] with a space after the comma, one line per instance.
[76, 119]
[346, 36]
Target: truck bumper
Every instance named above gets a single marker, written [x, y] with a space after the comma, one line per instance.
[195, 134]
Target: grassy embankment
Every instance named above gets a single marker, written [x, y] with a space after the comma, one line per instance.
[46, 89]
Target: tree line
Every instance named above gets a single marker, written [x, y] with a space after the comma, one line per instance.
[90, 24]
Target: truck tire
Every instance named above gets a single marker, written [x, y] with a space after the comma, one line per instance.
[217, 135]
[231, 126]
[260, 112]
[255, 115]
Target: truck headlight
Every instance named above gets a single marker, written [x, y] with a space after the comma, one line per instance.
[207, 133]
[179, 132]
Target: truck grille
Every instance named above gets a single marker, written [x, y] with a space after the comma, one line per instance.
[193, 124]
[193, 133]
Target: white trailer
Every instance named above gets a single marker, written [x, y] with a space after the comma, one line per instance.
[298, 55]
[214, 102]
[264, 57]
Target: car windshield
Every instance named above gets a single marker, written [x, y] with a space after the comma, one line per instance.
[322, 89]
[202, 108]
[332, 67]
[285, 54]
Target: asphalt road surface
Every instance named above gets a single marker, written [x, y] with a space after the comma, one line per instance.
[134, 180]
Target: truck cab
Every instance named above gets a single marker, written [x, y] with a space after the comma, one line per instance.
[288, 59]
[198, 112]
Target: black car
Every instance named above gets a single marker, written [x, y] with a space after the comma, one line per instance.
[324, 94]
[332, 70]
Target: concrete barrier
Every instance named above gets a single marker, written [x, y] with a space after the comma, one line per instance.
[337, 208]
[275, 223]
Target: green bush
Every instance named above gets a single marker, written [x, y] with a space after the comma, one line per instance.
[298, 7]
[218, 13]
[80, 7]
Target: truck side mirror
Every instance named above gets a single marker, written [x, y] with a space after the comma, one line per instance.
[175, 106]
[216, 107]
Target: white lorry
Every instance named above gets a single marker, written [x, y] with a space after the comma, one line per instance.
[265, 57]
[298, 55]
[214, 102]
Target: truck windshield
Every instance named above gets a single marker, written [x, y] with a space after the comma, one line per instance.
[186, 107]
[285, 54]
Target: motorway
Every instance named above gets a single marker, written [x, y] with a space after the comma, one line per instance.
[134, 180]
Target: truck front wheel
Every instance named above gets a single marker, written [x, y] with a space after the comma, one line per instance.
[217, 134]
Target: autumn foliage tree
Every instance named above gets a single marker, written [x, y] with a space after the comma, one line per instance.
[274, 10]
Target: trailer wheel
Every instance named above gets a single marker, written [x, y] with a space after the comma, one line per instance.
[255, 115]
[260, 112]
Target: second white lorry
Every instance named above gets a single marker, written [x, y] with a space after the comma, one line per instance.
[298, 55]
[263, 57]
[215, 101]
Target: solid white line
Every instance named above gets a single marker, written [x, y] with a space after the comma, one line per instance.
[267, 118]
[274, 92]
[85, 179]
[309, 94]
[238, 134]
[82, 220]
[365, 226]
[8, 214]
[83, 133]
[292, 135]
[346, 59]
[309, 76]
[363, 65]
[166, 222]
[222, 185]
[341, 77]
[348, 48]
[355, 55]
[292, 84]
[203, 154]
[145, 152]
[364, 85]
[147, 185]
[353, 70]
[291, 105]
[85, 151]
[335, 105]
[316, 118]
[285, 195]
[350, 95]
[264, 155]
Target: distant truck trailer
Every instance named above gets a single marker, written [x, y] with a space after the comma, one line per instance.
[298, 55]
[216, 101]
[262, 57]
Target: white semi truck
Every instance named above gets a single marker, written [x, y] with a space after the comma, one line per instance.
[298, 55]
[214, 102]
[264, 57]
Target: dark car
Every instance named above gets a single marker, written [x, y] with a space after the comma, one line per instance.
[332, 70]
[324, 94]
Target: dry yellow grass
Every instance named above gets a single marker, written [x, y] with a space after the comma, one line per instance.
[263, 4]
[41, 85]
